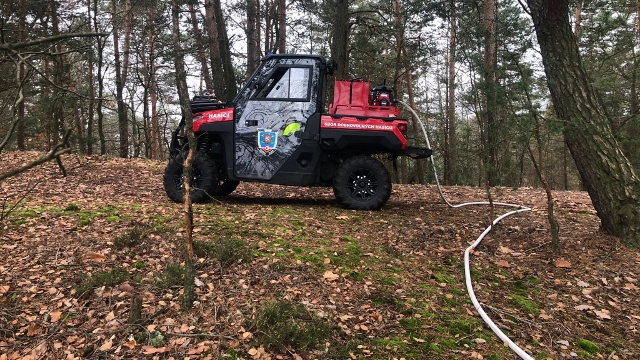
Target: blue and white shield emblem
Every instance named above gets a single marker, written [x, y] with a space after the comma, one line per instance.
[267, 140]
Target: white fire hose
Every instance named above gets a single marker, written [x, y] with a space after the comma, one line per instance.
[467, 271]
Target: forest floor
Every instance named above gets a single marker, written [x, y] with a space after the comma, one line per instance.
[286, 273]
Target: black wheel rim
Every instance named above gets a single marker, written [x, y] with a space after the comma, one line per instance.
[362, 185]
[196, 178]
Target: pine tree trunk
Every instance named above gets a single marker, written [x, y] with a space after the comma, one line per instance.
[340, 37]
[225, 53]
[22, 36]
[253, 38]
[197, 35]
[414, 126]
[214, 50]
[92, 92]
[607, 174]
[123, 127]
[100, 51]
[451, 156]
[490, 89]
[282, 26]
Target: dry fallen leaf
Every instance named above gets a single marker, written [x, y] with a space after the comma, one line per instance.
[330, 276]
[505, 250]
[148, 350]
[253, 351]
[562, 263]
[582, 284]
[34, 329]
[502, 263]
[55, 315]
[583, 307]
[107, 345]
[97, 257]
[630, 286]
[418, 340]
[604, 314]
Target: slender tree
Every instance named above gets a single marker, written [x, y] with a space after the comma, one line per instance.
[340, 37]
[253, 36]
[282, 26]
[183, 95]
[197, 35]
[22, 36]
[451, 155]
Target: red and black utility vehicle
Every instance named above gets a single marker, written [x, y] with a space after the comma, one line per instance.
[277, 131]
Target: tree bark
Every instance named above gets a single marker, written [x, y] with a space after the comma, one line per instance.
[340, 37]
[214, 50]
[282, 26]
[100, 51]
[451, 156]
[607, 174]
[225, 53]
[253, 37]
[490, 89]
[22, 36]
[123, 127]
[197, 35]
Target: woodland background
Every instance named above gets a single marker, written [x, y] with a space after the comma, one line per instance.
[471, 68]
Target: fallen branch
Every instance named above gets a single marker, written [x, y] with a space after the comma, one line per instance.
[55, 153]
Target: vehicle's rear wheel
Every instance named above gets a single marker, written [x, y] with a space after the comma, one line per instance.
[362, 183]
[204, 178]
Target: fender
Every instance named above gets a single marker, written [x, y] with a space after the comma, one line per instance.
[212, 116]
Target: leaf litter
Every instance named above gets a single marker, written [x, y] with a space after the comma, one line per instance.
[389, 282]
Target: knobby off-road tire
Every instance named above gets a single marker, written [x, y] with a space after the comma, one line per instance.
[362, 183]
[204, 178]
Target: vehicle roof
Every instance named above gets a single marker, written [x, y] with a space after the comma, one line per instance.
[295, 56]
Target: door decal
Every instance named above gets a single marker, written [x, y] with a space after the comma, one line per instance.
[267, 140]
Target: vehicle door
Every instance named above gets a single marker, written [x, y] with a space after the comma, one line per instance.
[271, 115]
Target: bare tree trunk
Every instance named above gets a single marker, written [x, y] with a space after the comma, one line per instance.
[340, 37]
[214, 50]
[397, 78]
[608, 175]
[157, 149]
[490, 87]
[183, 93]
[414, 126]
[282, 26]
[56, 110]
[197, 35]
[253, 37]
[577, 29]
[92, 92]
[22, 36]
[123, 127]
[451, 157]
[225, 53]
[267, 26]
[100, 50]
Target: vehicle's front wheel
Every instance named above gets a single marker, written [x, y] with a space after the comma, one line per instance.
[204, 178]
[362, 183]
